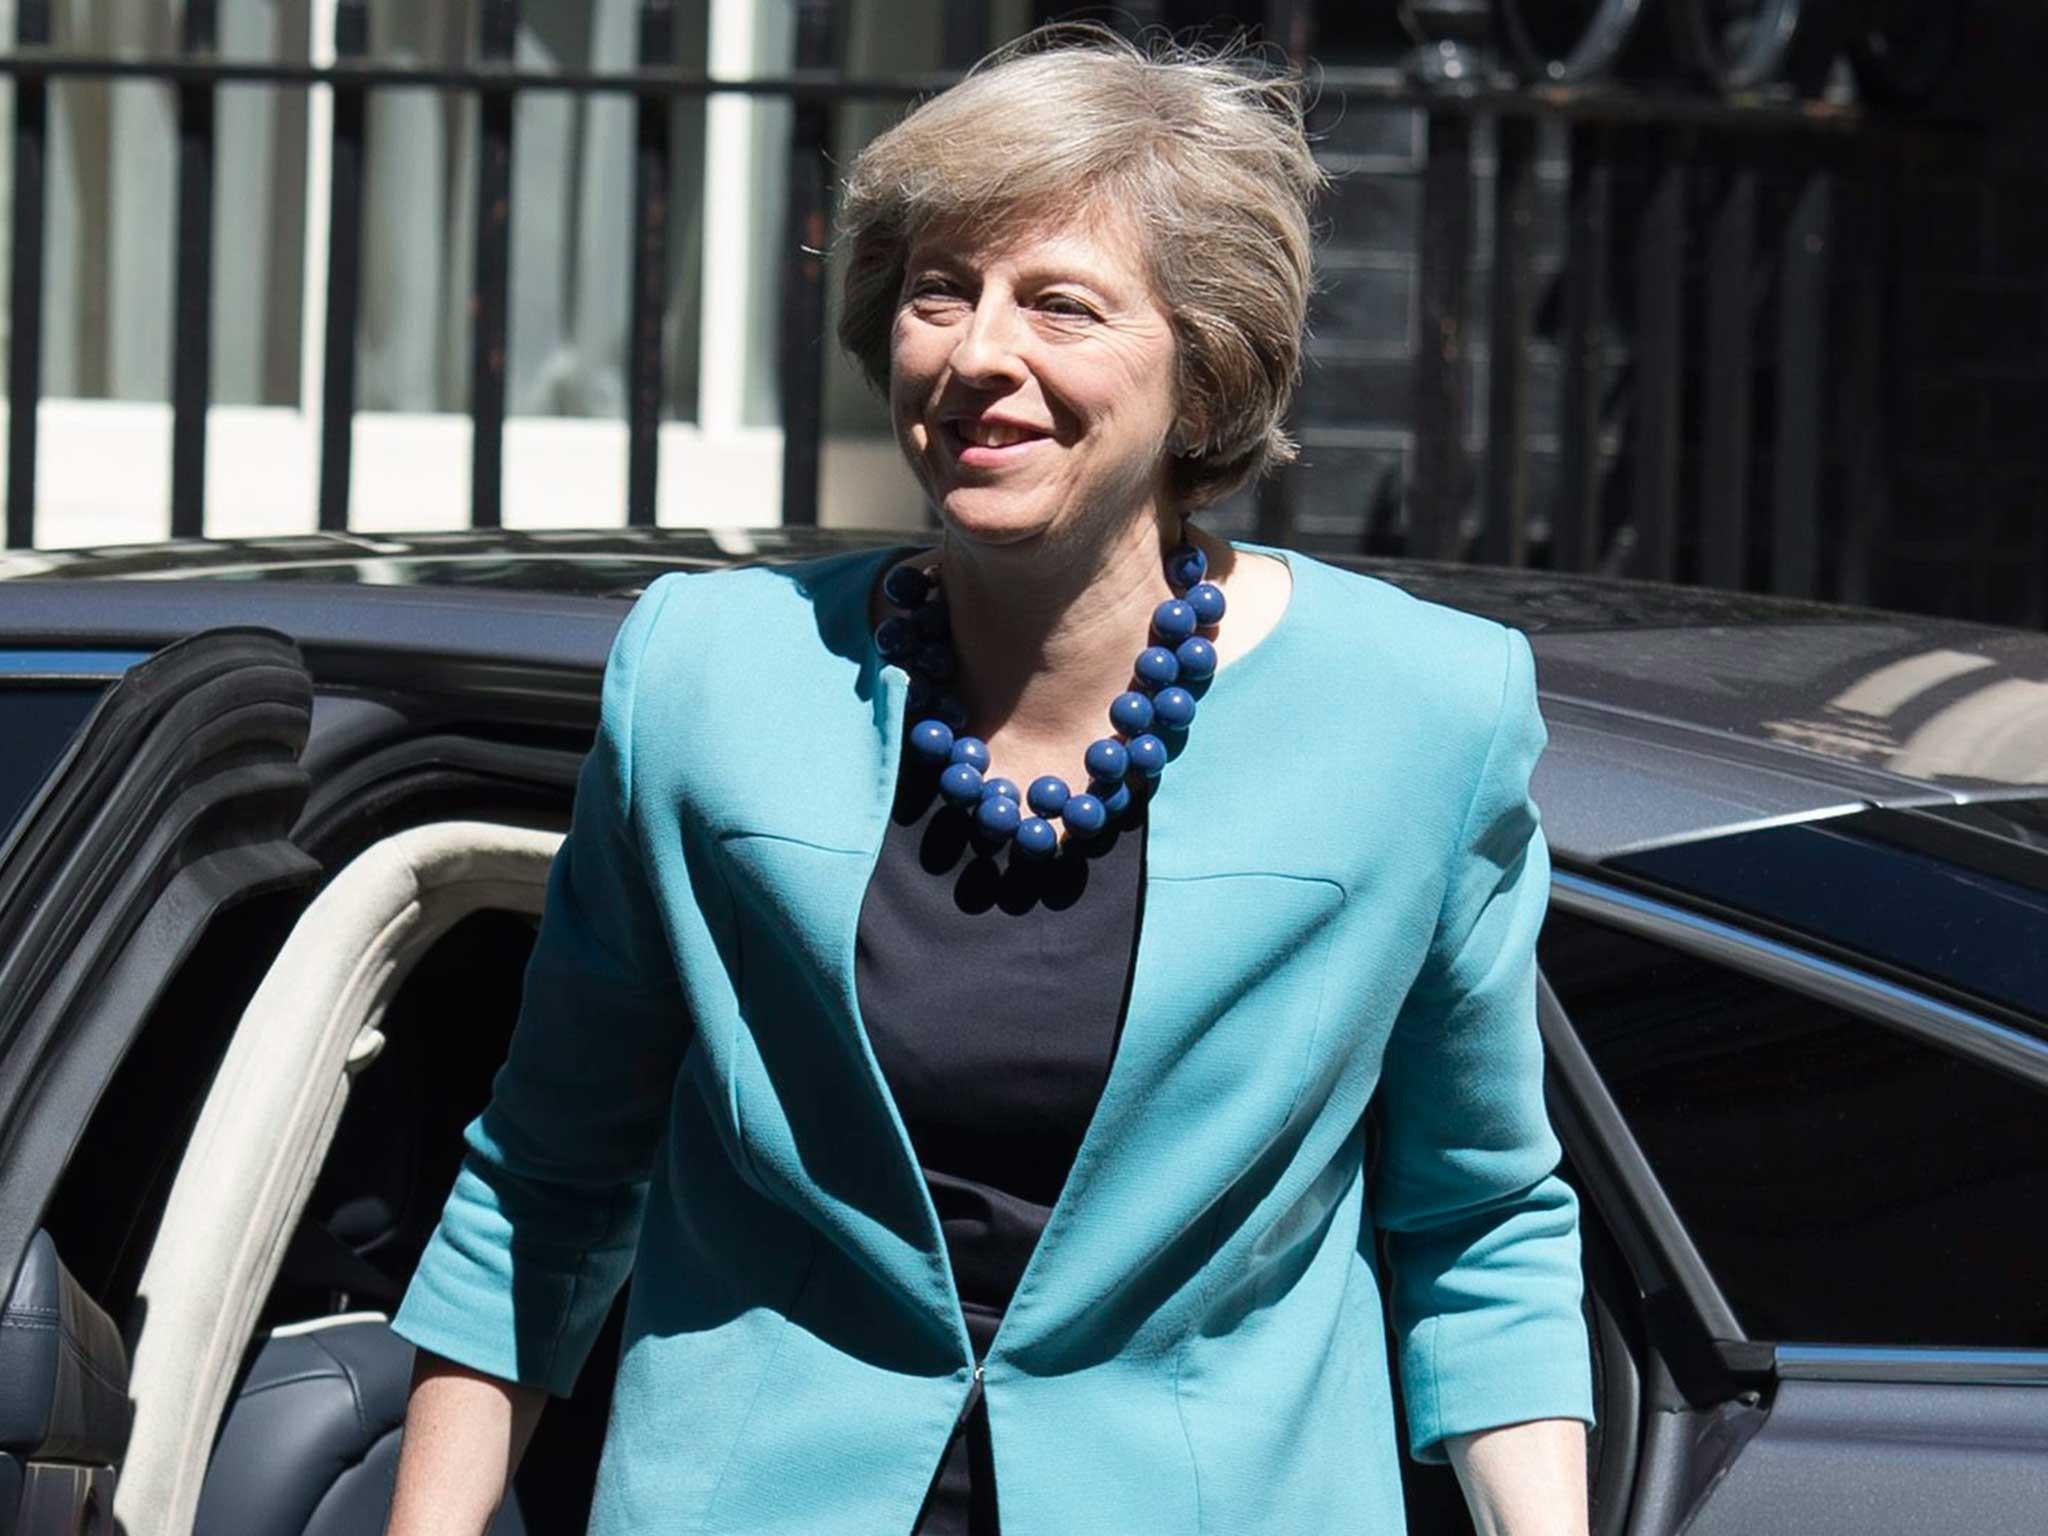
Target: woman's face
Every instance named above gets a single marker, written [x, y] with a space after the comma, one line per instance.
[1032, 379]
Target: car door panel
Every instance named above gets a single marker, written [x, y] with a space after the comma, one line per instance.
[1862, 1458]
[171, 808]
[1675, 1397]
[173, 802]
[1740, 1434]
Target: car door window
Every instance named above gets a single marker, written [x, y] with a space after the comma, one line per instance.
[1844, 1182]
[36, 722]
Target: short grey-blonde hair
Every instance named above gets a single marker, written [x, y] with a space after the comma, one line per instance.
[1204, 150]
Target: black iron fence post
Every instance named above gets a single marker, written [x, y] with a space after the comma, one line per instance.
[1288, 24]
[1436, 492]
[1658, 348]
[344, 270]
[1805, 249]
[192, 339]
[963, 32]
[649, 298]
[1728, 382]
[1861, 402]
[1504, 536]
[498, 25]
[806, 227]
[25, 279]
[1575, 524]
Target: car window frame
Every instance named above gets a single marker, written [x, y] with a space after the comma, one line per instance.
[1935, 1022]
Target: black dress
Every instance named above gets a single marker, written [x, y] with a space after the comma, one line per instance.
[993, 991]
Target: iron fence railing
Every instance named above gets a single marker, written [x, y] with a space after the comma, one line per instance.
[1477, 62]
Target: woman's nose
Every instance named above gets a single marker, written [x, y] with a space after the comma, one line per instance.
[987, 352]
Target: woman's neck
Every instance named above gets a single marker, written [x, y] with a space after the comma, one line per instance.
[1044, 637]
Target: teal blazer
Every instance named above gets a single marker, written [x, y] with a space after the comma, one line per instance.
[1344, 879]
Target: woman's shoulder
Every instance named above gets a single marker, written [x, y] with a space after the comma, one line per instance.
[706, 660]
[1438, 657]
[811, 590]
[762, 617]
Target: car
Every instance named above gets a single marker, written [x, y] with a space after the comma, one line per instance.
[275, 821]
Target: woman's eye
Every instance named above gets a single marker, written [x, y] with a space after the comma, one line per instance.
[1066, 308]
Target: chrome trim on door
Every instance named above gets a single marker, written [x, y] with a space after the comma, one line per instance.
[1961, 1367]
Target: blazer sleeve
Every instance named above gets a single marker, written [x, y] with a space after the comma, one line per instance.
[539, 1232]
[1481, 1234]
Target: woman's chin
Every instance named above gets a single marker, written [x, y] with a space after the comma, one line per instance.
[987, 517]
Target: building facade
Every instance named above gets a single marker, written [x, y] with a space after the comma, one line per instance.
[1745, 294]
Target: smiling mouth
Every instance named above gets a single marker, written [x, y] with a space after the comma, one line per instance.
[990, 434]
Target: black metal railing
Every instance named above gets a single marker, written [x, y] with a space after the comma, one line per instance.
[496, 82]
[1693, 155]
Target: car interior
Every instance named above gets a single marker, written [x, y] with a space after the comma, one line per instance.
[257, 1262]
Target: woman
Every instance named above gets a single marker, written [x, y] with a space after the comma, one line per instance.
[987, 1151]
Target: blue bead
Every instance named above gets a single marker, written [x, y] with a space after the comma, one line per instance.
[1037, 838]
[1131, 713]
[1173, 621]
[1175, 707]
[1084, 816]
[1148, 754]
[1048, 796]
[1107, 759]
[971, 750]
[1197, 658]
[1206, 598]
[894, 637]
[1116, 799]
[998, 817]
[1156, 667]
[921, 695]
[1185, 566]
[934, 658]
[961, 784]
[1005, 787]
[949, 709]
[932, 740]
[906, 586]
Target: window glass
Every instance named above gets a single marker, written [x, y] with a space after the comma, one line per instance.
[36, 723]
[1843, 1182]
[1964, 909]
[112, 172]
[571, 212]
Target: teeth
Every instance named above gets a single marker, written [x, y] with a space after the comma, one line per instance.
[991, 434]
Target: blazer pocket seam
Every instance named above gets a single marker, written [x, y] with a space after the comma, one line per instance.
[745, 834]
[1343, 891]
[774, 1352]
[1325, 943]
[1186, 1434]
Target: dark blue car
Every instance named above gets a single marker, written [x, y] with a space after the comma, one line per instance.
[274, 818]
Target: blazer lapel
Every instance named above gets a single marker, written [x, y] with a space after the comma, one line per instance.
[804, 874]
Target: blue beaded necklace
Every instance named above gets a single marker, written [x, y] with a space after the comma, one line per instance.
[918, 638]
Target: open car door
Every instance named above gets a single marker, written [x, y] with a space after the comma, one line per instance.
[1709, 1430]
[163, 826]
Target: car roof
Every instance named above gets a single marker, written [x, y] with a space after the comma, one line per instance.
[1675, 712]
